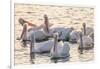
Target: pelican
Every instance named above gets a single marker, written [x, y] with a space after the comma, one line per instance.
[85, 42]
[41, 32]
[60, 49]
[88, 32]
[40, 47]
[74, 36]
[64, 32]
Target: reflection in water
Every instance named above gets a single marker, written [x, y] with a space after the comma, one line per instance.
[86, 56]
[56, 60]
[60, 60]
[22, 56]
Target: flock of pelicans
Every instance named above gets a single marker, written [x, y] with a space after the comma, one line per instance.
[54, 39]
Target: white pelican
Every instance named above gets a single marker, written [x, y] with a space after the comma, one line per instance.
[64, 32]
[85, 43]
[87, 31]
[41, 32]
[60, 49]
[74, 36]
[40, 47]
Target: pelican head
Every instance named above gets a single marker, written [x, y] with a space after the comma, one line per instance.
[84, 28]
[46, 22]
[21, 21]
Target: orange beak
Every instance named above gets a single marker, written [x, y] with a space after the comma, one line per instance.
[22, 21]
[46, 22]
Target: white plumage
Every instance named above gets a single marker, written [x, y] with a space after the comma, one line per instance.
[43, 46]
[74, 36]
[87, 42]
[60, 50]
